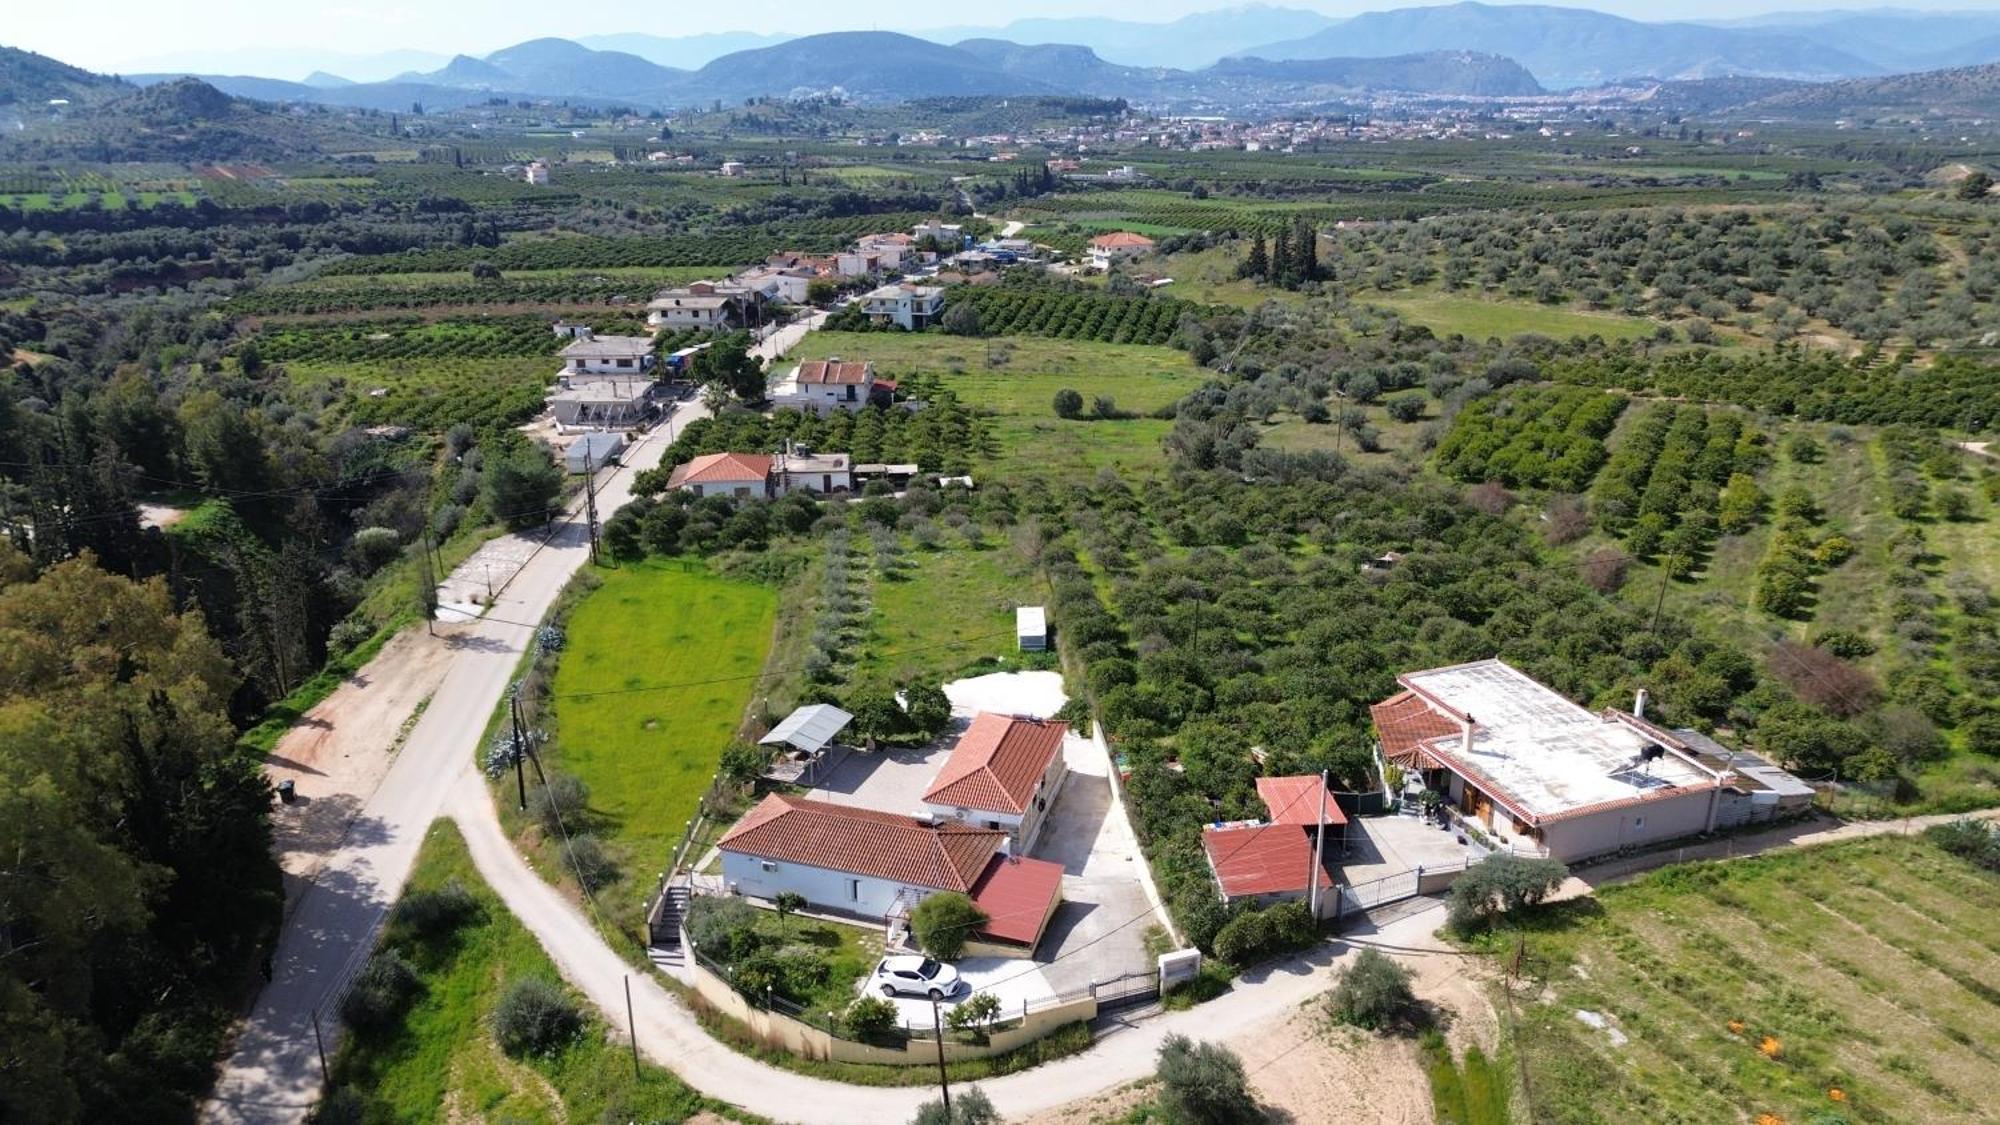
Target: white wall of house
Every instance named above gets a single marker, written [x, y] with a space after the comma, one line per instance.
[1629, 827]
[1023, 827]
[681, 316]
[749, 487]
[607, 365]
[790, 482]
[822, 887]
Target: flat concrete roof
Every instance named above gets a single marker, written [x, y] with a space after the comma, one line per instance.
[1545, 752]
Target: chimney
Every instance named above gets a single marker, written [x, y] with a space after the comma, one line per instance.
[1465, 743]
[1639, 704]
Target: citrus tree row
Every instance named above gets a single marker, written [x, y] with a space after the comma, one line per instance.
[1537, 438]
[1073, 316]
[485, 337]
[1683, 474]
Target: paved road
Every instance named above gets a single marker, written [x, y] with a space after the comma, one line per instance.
[274, 1073]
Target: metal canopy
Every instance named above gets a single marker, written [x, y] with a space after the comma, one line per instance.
[808, 729]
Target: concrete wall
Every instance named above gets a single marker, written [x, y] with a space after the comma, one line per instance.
[1630, 827]
[822, 887]
[777, 1030]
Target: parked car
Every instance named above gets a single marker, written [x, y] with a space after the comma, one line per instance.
[911, 975]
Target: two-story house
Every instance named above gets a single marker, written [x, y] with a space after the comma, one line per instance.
[587, 353]
[712, 305]
[827, 384]
[910, 307]
[1107, 250]
[1003, 774]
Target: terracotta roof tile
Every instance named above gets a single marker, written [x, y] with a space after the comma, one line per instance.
[945, 857]
[1296, 800]
[1405, 722]
[997, 763]
[1259, 859]
[1120, 238]
[833, 371]
[714, 468]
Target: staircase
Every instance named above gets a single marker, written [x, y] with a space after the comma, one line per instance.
[665, 951]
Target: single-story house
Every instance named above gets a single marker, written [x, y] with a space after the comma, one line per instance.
[909, 307]
[724, 474]
[592, 452]
[602, 404]
[1265, 864]
[876, 865]
[1546, 776]
[1031, 628]
[1004, 773]
[1304, 800]
[798, 469]
[1107, 250]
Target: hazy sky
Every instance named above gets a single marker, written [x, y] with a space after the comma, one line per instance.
[113, 35]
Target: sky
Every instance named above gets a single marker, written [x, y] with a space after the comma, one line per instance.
[130, 35]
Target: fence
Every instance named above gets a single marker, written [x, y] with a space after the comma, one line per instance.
[1358, 897]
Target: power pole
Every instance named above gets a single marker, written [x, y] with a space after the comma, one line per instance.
[1666, 572]
[520, 750]
[1319, 850]
[631, 1027]
[429, 579]
[590, 500]
[944, 1083]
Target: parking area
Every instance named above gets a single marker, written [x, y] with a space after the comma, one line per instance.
[888, 780]
[1013, 982]
[1381, 846]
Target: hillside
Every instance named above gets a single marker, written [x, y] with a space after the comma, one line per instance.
[28, 79]
[1964, 92]
[869, 65]
[1465, 73]
[182, 119]
[1188, 43]
[1567, 47]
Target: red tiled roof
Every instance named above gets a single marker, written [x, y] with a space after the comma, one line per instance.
[945, 857]
[1018, 894]
[1405, 721]
[996, 764]
[1296, 800]
[1259, 859]
[1120, 238]
[716, 468]
[832, 371]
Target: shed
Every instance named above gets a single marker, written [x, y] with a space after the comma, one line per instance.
[805, 733]
[592, 452]
[1031, 628]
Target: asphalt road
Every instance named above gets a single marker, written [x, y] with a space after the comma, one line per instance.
[273, 1074]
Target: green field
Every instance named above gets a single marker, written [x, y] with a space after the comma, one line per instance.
[430, 394]
[1763, 986]
[649, 755]
[982, 587]
[1479, 319]
[1017, 377]
[642, 277]
[441, 1063]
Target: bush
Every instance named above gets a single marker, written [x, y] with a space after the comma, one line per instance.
[969, 1106]
[536, 1017]
[1069, 403]
[1500, 884]
[430, 914]
[342, 1105]
[870, 1017]
[1968, 839]
[560, 805]
[373, 548]
[1373, 993]
[943, 922]
[384, 989]
[926, 707]
[1260, 934]
[722, 927]
[589, 863]
[745, 762]
[1203, 1084]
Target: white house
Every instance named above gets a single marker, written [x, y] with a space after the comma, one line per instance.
[537, 173]
[826, 384]
[704, 304]
[724, 474]
[797, 469]
[789, 284]
[1107, 250]
[875, 865]
[910, 307]
[1547, 777]
[1004, 773]
[939, 231]
[591, 354]
[732, 168]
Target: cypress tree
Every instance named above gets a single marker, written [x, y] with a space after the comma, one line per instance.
[1308, 244]
[1259, 263]
[1281, 256]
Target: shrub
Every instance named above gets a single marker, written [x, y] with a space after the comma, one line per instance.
[975, 1011]
[379, 995]
[589, 863]
[876, 714]
[722, 927]
[430, 914]
[1405, 408]
[1501, 884]
[1968, 839]
[969, 1106]
[1373, 993]
[744, 762]
[560, 805]
[372, 548]
[342, 1105]
[870, 1017]
[943, 922]
[1203, 1084]
[1069, 403]
[1982, 733]
[1257, 935]
[926, 706]
[536, 1017]
[1824, 680]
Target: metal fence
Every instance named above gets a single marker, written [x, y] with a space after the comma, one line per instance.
[1358, 897]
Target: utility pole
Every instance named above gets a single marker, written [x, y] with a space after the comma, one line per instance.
[944, 1083]
[1319, 850]
[590, 500]
[1666, 572]
[319, 1044]
[429, 579]
[520, 749]
[631, 1027]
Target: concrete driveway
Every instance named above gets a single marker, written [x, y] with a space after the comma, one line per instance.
[1099, 931]
[887, 780]
[1015, 982]
[1381, 846]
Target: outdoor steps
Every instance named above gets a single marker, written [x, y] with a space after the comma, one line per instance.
[667, 952]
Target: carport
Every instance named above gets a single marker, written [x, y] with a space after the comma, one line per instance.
[805, 733]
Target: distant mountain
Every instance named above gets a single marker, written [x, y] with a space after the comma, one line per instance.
[464, 72]
[1893, 38]
[561, 66]
[1961, 93]
[1070, 68]
[186, 119]
[869, 65]
[1709, 95]
[238, 86]
[321, 80]
[280, 62]
[1188, 43]
[31, 80]
[1567, 47]
[1456, 73]
[685, 52]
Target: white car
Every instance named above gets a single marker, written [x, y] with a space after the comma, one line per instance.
[911, 975]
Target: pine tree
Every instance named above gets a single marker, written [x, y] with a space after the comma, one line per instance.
[1259, 263]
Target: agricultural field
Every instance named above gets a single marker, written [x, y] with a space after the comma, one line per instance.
[1016, 379]
[739, 245]
[431, 293]
[1478, 318]
[1069, 315]
[429, 395]
[648, 755]
[1842, 983]
[440, 1061]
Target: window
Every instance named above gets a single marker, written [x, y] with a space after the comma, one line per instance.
[854, 890]
[768, 865]
[1638, 822]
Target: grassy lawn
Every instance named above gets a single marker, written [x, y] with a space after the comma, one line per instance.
[1209, 277]
[648, 755]
[981, 587]
[1762, 986]
[1478, 319]
[1017, 377]
[441, 1063]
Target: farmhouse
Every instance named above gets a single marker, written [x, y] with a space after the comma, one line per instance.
[877, 865]
[909, 307]
[1268, 861]
[1003, 773]
[940, 232]
[1107, 250]
[827, 384]
[724, 474]
[1548, 777]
